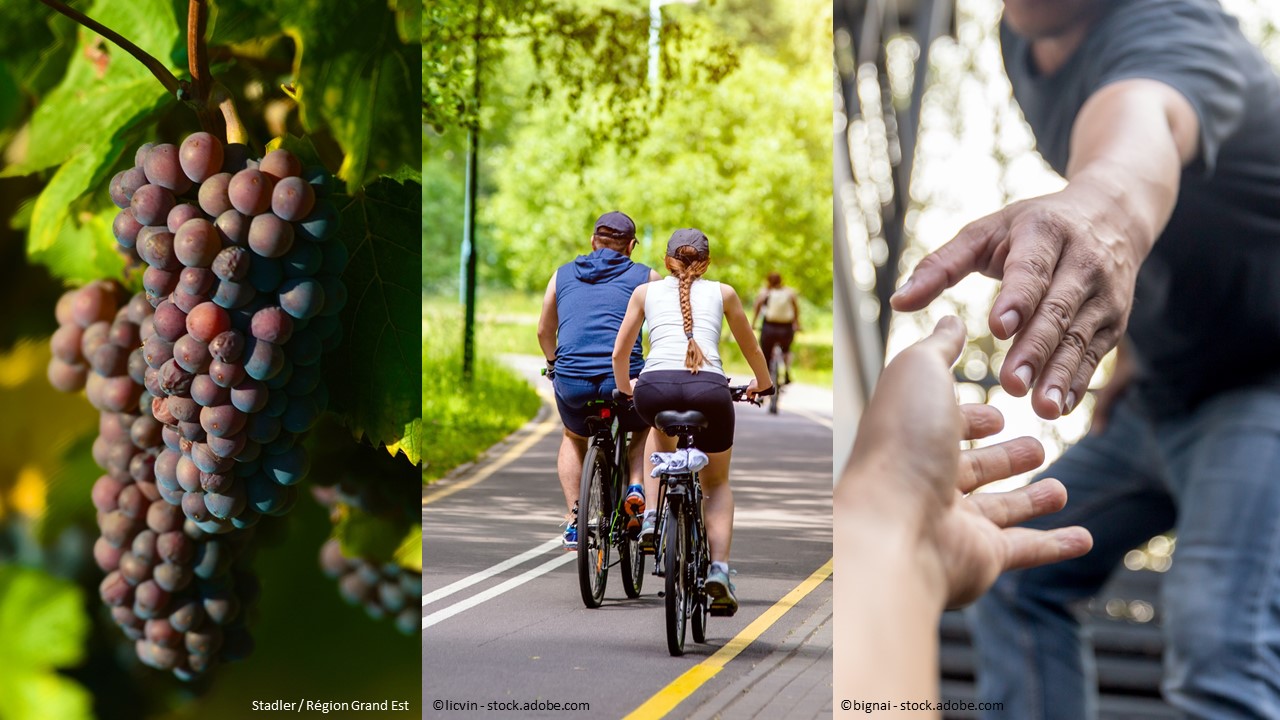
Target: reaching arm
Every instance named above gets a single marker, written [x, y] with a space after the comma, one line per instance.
[627, 334]
[1069, 260]
[745, 337]
[548, 322]
[755, 313]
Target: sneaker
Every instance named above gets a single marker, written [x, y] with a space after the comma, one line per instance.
[570, 539]
[721, 591]
[647, 535]
[633, 506]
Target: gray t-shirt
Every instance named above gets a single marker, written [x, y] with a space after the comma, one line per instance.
[1206, 314]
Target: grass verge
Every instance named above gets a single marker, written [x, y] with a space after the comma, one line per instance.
[463, 419]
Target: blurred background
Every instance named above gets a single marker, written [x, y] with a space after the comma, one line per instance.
[928, 138]
[678, 112]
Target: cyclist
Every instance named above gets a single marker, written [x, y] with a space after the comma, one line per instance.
[781, 320]
[581, 311]
[683, 371]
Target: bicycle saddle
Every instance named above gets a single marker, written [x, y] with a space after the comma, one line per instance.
[668, 419]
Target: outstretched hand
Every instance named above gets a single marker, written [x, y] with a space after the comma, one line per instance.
[908, 478]
[1068, 277]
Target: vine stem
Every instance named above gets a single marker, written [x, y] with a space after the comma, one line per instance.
[156, 67]
[198, 52]
[227, 104]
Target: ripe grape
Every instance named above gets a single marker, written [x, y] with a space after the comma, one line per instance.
[200, 156]
[250, 192]
[180, 214]
[213, 197]
[280, 164]
[293, 199]
[163, 169]
[231, 264]
[197, 243]
[270, 236]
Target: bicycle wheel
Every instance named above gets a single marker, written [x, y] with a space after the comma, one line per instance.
[594, 510]
[676, 549]
[775, 363]
[629, 555]
[701, 564]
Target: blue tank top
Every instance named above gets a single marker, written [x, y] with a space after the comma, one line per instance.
[592, 293]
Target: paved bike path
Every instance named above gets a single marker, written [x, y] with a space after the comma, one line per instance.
[504, 622]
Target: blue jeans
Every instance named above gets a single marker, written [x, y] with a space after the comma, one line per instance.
[1214, 477]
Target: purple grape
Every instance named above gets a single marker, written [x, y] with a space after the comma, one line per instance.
[170, 324]
[273, 325]
[200, 156]
[227, 346]
[180, 214]
[151, 205]
[293, 199]
[174, 380]
[269, 236]
[213, 195]
[250, 192]
[280, 164]
[221, 420]
[156, 249]
[263, 360]
[185, 301]
[320, 224]
[183, 409]
[249, 396]
[230, 294]
[302, 298]
[232, 263]
[206, 321]
[196, 281]
[233, 228]
[125, 228]
[265, 274]
[158, 284]
[163, 168]
[226, 374]
[191, 354]
[207, 393]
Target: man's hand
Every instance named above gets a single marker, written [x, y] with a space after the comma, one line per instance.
[907, 479]
[1069, 260]
[1068, 272]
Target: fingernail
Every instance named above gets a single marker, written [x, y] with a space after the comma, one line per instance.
[1055, 397]
[1010, 321]
[905, 286]
[1071, 400]
[1024, 374]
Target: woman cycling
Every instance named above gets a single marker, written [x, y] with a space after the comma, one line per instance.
[683, 372]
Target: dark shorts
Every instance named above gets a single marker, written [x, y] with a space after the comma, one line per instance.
[706, 392]
[780, 334]
[573, 394]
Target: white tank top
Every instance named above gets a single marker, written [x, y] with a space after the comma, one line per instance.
[778, 307]
[667, 341]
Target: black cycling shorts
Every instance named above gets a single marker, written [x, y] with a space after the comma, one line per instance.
[776, 334]
[706, 392]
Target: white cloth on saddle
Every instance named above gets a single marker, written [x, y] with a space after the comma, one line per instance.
[685, 460]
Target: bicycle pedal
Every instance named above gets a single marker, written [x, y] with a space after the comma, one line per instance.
[662, 593]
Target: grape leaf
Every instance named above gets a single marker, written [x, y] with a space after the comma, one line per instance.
[42, 626]
[409, 555]
[75, 251]
[368, 536]
[373, 376]
[105, 91]
[359, 80]
[408, 19]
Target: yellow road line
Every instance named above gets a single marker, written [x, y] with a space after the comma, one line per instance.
[539, 431]
[682, 687]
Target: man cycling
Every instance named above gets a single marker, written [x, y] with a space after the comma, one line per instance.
[781, 320]
[585, 302]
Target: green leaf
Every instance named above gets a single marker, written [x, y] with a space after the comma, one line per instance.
[409, 554]
[373, 375]
[105, 90]
[359, 80]
[366, 536]
[72, 250]
[43, 626]
[69, 488]
[408, 19]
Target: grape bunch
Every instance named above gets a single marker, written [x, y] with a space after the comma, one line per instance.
[381, 589]
[171, 586]
[242, 271]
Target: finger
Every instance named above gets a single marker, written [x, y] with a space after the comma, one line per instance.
[969, 251]
[1018, 506]
[979, 421]
[1063, 319]
[984, 465]
[1026, 548]
[1034, 249]
[1075, 350]
[947, 339]
[1102, 342]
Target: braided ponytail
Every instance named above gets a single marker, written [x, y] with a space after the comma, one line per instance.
[686, 267]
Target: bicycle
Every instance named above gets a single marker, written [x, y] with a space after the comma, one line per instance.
[682, 557]
[601, 518]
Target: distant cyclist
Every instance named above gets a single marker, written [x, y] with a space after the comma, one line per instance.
[683, 372]
[581, 311]
[781, 319]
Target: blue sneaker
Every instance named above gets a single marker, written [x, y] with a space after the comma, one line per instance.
[570, 538]
[633, 506]
[647, 534]
[721, 591]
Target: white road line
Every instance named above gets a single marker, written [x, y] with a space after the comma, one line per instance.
[487, 573]
[496, 590]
